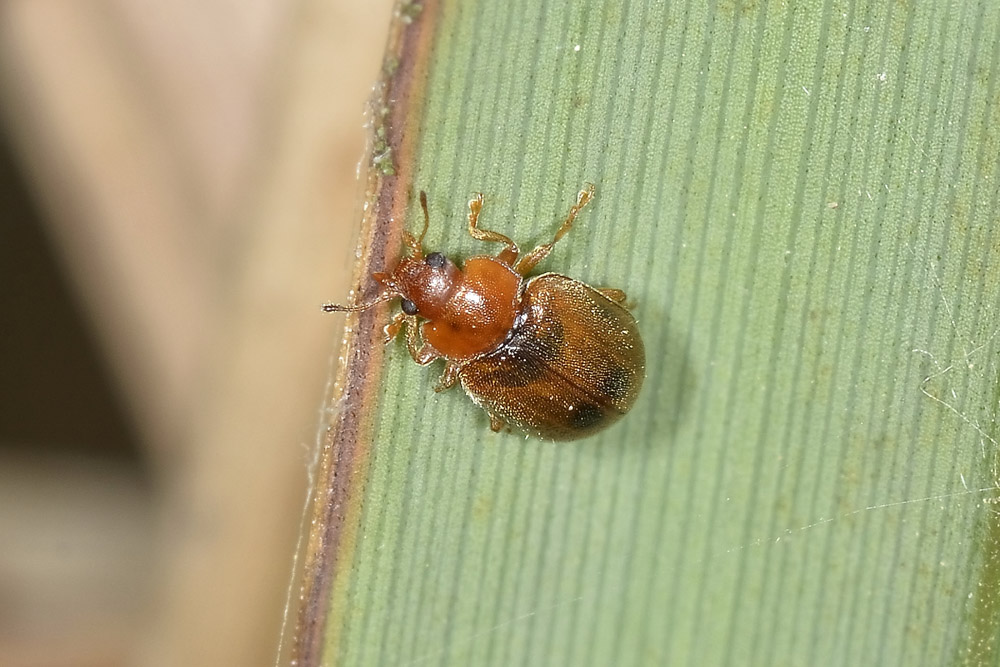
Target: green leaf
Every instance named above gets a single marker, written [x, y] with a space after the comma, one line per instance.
[801, 199]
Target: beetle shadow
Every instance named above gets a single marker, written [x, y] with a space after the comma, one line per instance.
[665, 400]
[669, 393]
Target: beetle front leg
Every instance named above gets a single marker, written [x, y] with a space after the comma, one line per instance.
[391, 330]
[422, 353]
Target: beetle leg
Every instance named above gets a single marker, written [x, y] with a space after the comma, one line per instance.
[496, 424]
[529, 261]
[615, 295]
[449, 377]
[618, 296]
[423, 354]
[392, 329]
[508, 254]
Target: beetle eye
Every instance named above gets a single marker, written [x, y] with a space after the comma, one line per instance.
[435, 260]
[408, 307]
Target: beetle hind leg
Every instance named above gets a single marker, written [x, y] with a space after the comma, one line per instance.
[616, 295]
[496, 424]
[529, 261]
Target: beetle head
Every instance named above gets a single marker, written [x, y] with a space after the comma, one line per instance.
[424, 282]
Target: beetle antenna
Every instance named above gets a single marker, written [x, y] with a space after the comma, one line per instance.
[336, 308]
[416, 245]
[427, 223]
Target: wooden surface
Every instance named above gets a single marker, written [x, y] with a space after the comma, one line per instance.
[196, 166]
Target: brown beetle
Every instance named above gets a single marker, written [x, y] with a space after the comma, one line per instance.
[550, 355]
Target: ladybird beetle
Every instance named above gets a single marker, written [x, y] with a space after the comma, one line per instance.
[549, 355]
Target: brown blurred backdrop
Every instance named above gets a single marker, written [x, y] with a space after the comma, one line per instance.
[178, 191]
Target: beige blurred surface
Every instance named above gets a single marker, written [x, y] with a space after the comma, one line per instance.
[194, 164]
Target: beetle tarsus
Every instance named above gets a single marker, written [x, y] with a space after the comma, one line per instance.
[509, 254]
[529, 261]
[391, 330]
[496, 424]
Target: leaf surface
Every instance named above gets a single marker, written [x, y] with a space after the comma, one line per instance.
[802, 201]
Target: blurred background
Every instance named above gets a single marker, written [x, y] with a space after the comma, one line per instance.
[178, 194]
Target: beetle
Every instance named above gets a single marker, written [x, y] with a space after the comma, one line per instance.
[549, 355]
